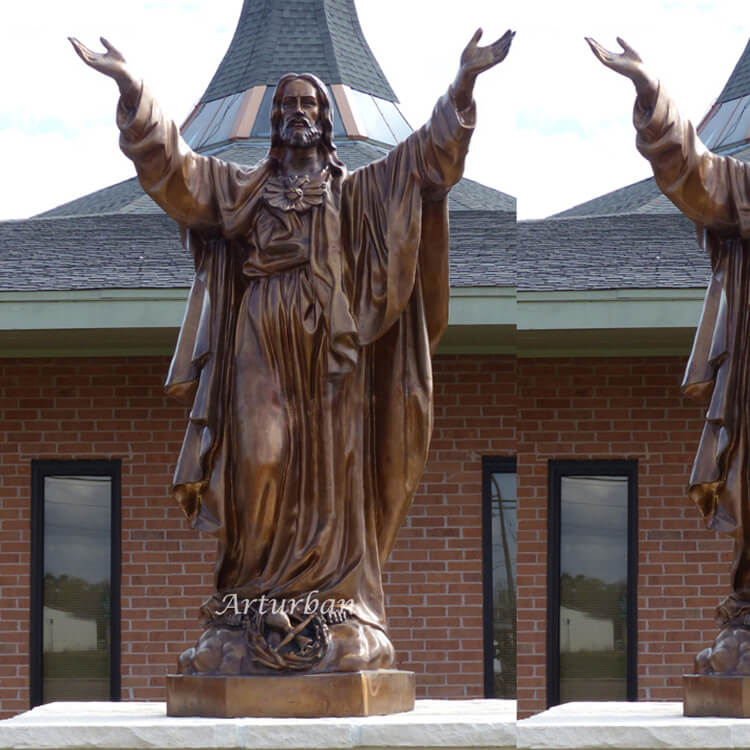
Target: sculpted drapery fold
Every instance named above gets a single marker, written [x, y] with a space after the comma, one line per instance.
[305, 353]
[714, 191]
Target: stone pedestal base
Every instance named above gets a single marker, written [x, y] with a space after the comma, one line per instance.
[716, 695]
[384, 691]
[432, 725]
[628, 726]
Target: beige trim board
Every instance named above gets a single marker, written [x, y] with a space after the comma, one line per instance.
[609, 309]
[248, 111]
[91, 309]
[483, 320]
[352, 126]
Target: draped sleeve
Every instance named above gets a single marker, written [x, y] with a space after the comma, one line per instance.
[214, 202]
[713, 191]
[394, 229]
[200, 192]
[399, 202]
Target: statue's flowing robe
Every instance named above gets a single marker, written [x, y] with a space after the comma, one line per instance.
[305, 354]
[713, 191]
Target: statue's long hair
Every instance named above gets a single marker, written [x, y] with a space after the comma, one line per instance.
[325, 119]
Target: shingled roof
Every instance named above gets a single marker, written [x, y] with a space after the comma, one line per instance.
[625, 200]
[610, 252]
[739, 82]
[306, 36]
[272, 38]
[129, 251]
[118, 237]
[128, 197]
[137, 251]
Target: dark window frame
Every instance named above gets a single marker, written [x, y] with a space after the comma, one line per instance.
[85, 467]
[490, 465]
[556, 470]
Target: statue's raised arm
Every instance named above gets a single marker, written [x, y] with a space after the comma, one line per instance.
[713, 191]
[694, 179]
[183, 183]
[475, 60]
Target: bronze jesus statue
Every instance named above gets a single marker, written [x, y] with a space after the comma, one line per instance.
[713, 191]
[304, 356]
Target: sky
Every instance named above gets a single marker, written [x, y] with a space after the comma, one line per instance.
[554, 126]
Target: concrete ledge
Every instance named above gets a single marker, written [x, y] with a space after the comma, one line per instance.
[628, 726]
[448, 725]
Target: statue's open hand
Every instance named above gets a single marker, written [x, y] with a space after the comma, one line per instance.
[628, 63]
[476, 59]
[111, 62]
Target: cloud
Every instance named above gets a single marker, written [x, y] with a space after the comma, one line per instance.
[50, 168]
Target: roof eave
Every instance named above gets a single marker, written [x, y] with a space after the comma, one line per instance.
[137, 322]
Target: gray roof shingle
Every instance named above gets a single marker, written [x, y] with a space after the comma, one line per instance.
[143, 251]
[323, 37]
[610, 252]
[624, 200]
[488, 248]
[483, 248]
[128, 196]
[739, 82]
[93, 252]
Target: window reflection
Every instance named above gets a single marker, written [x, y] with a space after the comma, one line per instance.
[193, 133]
[712, 131]
[76, 623]
[221, 126]
[396, 121]
[504, 544]
[738, 126]
[370, 116]
[593, 587]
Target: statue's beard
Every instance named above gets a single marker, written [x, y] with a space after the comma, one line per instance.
[309, 135]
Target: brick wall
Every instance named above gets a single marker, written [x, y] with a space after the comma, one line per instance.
[115, 408]
[598, 408]
[101, 408]
[619, 408]
[433, 579]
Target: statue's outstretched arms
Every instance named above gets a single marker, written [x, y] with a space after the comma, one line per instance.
[697, 181]
[183, 183]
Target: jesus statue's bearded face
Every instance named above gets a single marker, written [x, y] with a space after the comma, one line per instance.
[300, 126]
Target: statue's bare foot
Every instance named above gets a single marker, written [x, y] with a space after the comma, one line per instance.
[268, 642]
[356, 646]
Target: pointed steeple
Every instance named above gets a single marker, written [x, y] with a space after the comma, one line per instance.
[232, 120]
[739, 82]
[306, 36]
[726, 127]
[272, 38]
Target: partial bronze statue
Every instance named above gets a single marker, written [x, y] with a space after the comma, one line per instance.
[319, 297]
[713, 191]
